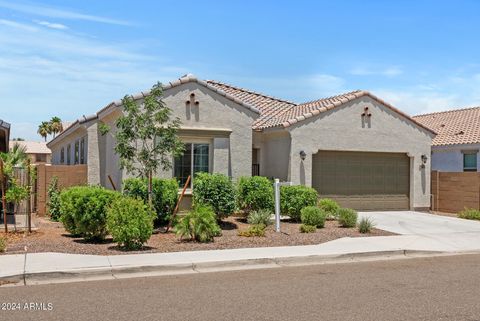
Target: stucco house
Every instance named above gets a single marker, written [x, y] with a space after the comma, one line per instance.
[456, 147]
[4, 136]
[38, 152]
[353, 147]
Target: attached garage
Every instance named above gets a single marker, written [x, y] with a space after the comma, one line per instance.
[363, 180]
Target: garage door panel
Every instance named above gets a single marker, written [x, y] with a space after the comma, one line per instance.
[364, 181]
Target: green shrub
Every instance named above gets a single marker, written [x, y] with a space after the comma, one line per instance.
[330, 207]
[365, 225]
[53, 203]
[294, 198]
[164, 194]
[255, 193]
[200, 224]
[215, 190]
[305, 228]
[254, 230]
[84, 210]
[3, 245]
[347, 217]
[260, 217]
[130, 222]
[469, 214]
[312, 215]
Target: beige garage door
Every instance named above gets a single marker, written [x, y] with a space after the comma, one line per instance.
[363, 181]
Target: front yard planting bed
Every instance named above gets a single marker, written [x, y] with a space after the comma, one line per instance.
[52, 237]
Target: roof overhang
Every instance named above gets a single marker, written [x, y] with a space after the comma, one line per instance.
[73, 127]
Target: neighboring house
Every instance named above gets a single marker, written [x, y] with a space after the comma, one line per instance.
[38, 152]
[353, 147]
[456, 147]
[4, 136]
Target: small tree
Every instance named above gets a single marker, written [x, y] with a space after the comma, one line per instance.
[147, 136]
[12, 190]
[53, 202]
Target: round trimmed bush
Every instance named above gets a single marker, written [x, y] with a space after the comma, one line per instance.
[347, 217]
[84, 210]
[294, 198]
[255, 193]
[330, 207]
[130, 222]
[215, 190]
[164, 194]
[312, 215]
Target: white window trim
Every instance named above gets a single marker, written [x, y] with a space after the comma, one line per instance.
[469, 152]
[198, 140]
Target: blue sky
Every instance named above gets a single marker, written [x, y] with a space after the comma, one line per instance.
[69, 58]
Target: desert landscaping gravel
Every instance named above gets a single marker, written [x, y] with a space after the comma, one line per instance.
[52, 237]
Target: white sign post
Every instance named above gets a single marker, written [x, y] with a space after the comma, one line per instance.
[276, 188]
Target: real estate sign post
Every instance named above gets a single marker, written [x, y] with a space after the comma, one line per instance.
[276, 187]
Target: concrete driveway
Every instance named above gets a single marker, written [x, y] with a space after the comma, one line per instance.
[416, 223]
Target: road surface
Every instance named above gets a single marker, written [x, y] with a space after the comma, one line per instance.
[441, 288]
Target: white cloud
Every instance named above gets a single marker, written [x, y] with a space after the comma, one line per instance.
[390, 71]
[52, 25]
[48, 72]
[325, 85]
[17, 25]
[415, 102]
[44, 11]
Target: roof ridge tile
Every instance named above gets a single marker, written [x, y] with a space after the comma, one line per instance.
[454, 110]
[250, 91]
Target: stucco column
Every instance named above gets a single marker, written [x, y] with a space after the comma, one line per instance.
[93, 155]
[221, 156]
[300, 170]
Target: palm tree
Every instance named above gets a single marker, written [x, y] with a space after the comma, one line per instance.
[17, 154]
[44, 129]
[56, 126]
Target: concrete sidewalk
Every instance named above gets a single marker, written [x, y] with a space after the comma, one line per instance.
[36, 268]
[424, 234]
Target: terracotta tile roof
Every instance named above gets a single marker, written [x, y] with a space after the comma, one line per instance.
[460, 126]
[269, 107]
[315, 107]
[276, 112]
[32, 147]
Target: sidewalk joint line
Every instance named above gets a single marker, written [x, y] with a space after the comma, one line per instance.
[25, 267]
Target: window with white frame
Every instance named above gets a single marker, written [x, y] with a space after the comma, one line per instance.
[77, 152]
[195, 159]
[62, 155]
[82, 150]
[469, 161]
[69, 154]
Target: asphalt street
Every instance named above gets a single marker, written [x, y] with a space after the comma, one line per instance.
[440, 288]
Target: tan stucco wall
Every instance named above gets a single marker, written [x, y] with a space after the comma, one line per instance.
[274, 153]
[33, 158]
[342, 129]
[67, 176]
[230, 147]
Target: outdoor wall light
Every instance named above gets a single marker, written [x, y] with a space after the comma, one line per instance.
[424, 159]
[303, 155]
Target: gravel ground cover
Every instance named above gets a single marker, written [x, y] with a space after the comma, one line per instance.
[52, 237]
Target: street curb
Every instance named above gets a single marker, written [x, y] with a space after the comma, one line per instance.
[33, 278]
